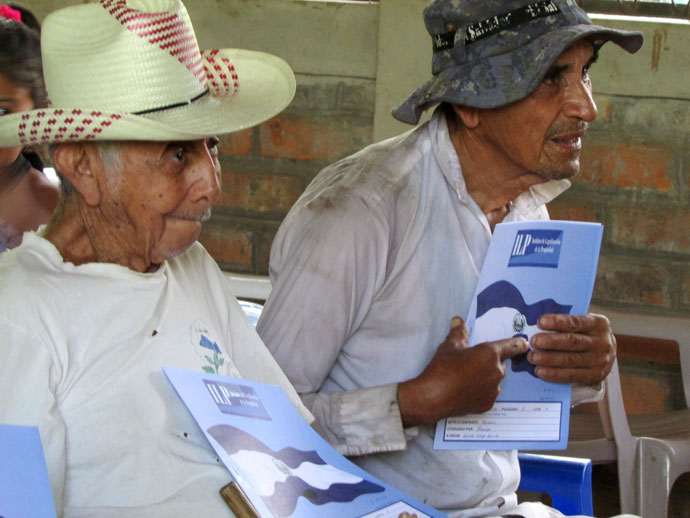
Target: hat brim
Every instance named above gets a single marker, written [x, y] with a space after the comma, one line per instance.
[266, 85]
[475, 83]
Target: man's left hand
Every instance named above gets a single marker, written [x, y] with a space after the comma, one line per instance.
[580, 349]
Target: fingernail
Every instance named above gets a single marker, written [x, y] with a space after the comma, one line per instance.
[545, 321]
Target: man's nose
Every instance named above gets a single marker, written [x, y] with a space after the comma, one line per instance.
[579, 102]
[207, 185]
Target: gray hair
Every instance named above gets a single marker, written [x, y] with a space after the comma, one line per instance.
[110, 153]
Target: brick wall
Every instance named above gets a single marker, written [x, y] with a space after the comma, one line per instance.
[349, 57]
[265, 169]
[635, 178]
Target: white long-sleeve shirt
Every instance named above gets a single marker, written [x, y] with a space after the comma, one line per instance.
[82, 349]
[368, 268]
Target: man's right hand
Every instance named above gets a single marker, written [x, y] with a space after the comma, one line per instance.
[458, 380]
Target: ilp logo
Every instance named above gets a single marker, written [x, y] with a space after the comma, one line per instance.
[235, 399]
[536, 247]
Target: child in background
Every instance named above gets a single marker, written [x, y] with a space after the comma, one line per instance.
[27, 197]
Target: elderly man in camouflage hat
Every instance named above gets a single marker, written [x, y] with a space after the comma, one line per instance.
[385, 247]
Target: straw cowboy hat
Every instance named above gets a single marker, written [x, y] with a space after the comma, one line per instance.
[132, 70]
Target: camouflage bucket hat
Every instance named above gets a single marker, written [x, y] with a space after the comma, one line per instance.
[488, 53]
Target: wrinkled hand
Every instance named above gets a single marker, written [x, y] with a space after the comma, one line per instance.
[458, 380]
[581, 350]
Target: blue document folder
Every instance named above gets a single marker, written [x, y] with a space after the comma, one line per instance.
[24, 484]
[281, 464]
[531, 268]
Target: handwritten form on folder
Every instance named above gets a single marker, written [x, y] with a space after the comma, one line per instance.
[531, 268]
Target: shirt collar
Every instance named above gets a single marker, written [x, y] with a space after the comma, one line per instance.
[445, 154]
[540, 194]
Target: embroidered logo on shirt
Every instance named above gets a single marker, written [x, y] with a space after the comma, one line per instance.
[207, 349]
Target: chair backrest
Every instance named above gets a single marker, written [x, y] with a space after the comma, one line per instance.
[613, 416]
[676, 329]
[567, 480]
[254, 287]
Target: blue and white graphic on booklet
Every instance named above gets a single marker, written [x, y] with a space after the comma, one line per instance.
[531, 268]
[283, 466]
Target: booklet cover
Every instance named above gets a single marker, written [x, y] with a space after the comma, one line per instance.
[24, 484]
[531, 268]
[283, 467]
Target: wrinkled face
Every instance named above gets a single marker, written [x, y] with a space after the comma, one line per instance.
[543, 133]
[153, 207]
[13, 99]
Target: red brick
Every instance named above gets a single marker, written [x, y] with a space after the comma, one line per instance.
[626, 165]
[227, 245]
[238, 143]
[652, 228]
[299, 138]
[636, 283]
[571, 211]
[646, 393]
[260, 192]
[655, 297]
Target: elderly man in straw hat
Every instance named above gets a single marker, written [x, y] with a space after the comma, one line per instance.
[115, 286]
[385, 247]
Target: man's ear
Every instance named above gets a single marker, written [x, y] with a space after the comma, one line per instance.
[468, 115]
[74, 163]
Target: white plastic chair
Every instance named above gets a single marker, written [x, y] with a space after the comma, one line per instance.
[245, 286]
[651, 450]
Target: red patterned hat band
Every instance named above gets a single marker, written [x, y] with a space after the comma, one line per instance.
[11, 14]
